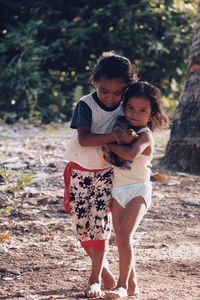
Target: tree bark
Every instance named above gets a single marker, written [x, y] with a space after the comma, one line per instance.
[183, 149]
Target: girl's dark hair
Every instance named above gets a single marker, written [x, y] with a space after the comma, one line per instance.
[113, 66]
[142, 89]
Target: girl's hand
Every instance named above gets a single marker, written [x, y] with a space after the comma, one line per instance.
[126, 137]
[143, 145]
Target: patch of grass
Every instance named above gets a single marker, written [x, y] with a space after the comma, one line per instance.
[6, 210]
[22, 180]
[53, 128]
[14, 182]
[7, 174]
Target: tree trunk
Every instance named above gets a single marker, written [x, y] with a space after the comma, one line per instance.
[183, 149]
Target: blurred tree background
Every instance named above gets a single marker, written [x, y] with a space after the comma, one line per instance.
[48, 48]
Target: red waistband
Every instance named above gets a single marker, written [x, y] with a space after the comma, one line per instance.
[73, 165]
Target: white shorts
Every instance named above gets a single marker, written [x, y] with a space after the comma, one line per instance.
[124, 194]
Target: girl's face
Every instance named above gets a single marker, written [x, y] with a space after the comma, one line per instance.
[110, 91]
[138, 111]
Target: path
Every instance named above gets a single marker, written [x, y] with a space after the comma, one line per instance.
[39, 255]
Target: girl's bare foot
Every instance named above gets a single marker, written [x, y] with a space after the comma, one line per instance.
[108, 278]
[94, 291]
[117, 293]
[133, 289]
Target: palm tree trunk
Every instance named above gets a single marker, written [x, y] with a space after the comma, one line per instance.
[183, 149]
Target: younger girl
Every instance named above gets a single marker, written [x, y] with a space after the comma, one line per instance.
[88, 177]
[132, 188]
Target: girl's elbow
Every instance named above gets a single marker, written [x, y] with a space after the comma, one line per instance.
[125, 156]
[82, 142]
[129, 157]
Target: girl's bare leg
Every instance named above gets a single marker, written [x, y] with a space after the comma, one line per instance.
[125, 222]
[94, 286]
[133, 288]
[107, 276]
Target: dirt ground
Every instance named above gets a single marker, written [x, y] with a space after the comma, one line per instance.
[40, 257]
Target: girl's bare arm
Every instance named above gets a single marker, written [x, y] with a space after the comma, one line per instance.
[143, 145]
[86, 138]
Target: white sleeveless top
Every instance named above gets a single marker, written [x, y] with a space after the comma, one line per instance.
[140, 169]
[102, 122]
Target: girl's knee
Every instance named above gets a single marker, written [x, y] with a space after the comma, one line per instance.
[123, 239]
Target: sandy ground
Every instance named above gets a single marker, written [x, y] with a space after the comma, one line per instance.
[40, 257]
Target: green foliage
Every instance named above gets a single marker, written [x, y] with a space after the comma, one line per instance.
[48, 49]
[7, 175]
[20, 179]
[15, 182]
[29, 88]
[23, 179]
[6, 210]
